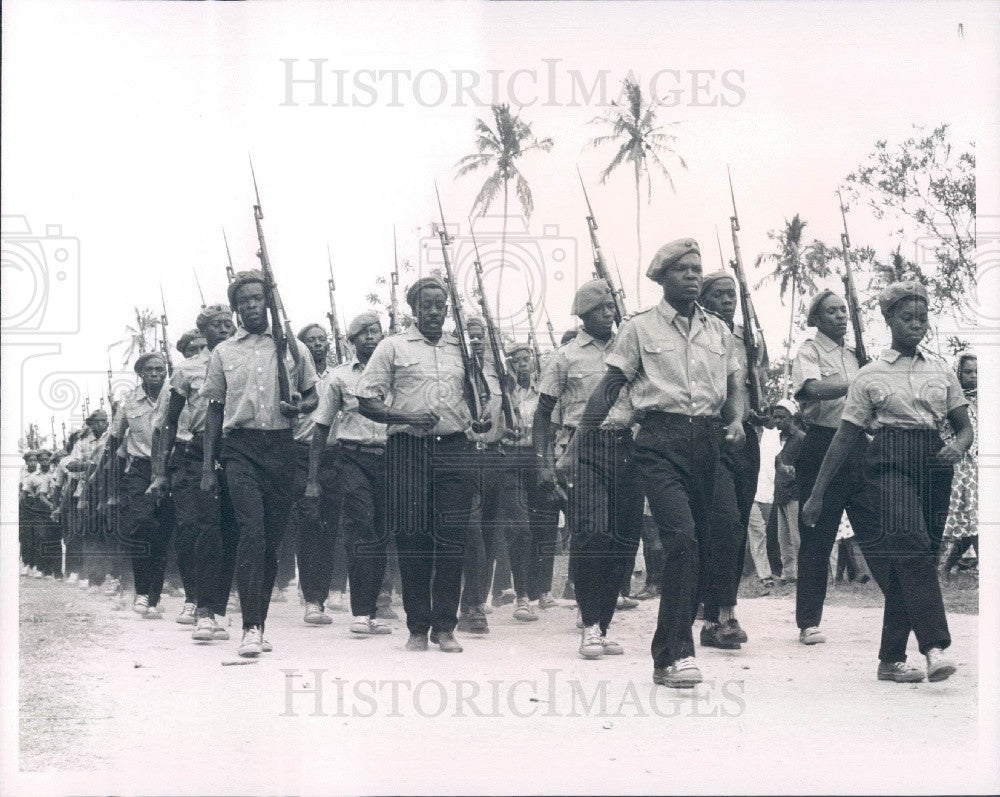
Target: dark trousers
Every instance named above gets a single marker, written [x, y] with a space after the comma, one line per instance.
[849, 490]
[431, 483]
[497, 511]
[309, 535]
[958, 549]
[185, 489]
[652, 552]
[532, 554]
[148, 525]
[213, 533]
[605, 511]
[259, 470]
[676, 457]
[744, 467]
[358, 499]
[912, 490]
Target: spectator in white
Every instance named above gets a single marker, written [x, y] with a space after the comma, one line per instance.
[770, 445]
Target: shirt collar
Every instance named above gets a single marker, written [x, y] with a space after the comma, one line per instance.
[890, 355]
[242, 333]
[669, 313]
[826, 343]
[414, 334]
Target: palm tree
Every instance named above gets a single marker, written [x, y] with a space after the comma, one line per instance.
[641, 143]
[500, 147]
[796, 267]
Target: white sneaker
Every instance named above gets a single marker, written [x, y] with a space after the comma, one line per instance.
[939, 666]
[335, 603]
[251, 646]
[315, 616]
[682, 674]
[811, 636]
[369, 626]
[73, 578]
[83, 583]
[186, 617]
[141, 604]
[205, 631]
[218, 632]
[612, 648]
[111, 586]
[523, 611]
[591, 645]
[579, 618]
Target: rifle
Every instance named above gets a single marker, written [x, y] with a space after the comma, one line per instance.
[718, 240]
[532, 338]
[851, 291]
[230, 271]
[53, 422]
[197, 282]
[339, 344]
[275, 308]
[756, 354]
[600, 266]
[552, 330]
[65, 441]
[393, 282]
[496, 345]
[476, 389]
[111, 389]
[164, 343]
[141, 331]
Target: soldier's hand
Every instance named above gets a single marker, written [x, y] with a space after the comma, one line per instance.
[811, 509]
[950, 454]
[547, 479]
[482, 426]
[209, 482]
[291, 409]
[55, 514]
[158, 487]
[424, 420]
[512, 435]
[312, 490]
[735, 436]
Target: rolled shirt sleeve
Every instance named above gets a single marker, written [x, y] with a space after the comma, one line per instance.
[214, 388]
[805, 366]
[553, 379]
[624, 353]
[376, 379]
[859, 406]
[330, 403]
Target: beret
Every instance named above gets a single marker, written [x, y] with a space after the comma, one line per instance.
[305, 330]
[898, 291]
[420, 284]
[788, 404]
[97, 415]
[670, 253]
[816, 304]
[590, 295]
[714, 277]
[475, 320]
[43, 453]
[29, 454]
[243, 278]
[359, 322]
[213, 311]
[519, 347]
[145, 358]
[185, 340]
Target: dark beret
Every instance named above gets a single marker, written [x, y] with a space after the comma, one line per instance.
[590, 295]
[360, 322]
[243, 278]
[424, 282]
[670, 253]
[97, 415]
[714, 277]
[185, 340]
[210, 313]
[898, 291]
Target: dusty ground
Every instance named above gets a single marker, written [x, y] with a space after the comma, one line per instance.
[143, 709]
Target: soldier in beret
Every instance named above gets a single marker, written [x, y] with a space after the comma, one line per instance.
[148, 520]
[604, 501]
[248, 416]
[191, 343]
[906, 398]
[681, 364]
[735, 487]
[206, 526]
[414, 382]
[822, 369]
[347, 476]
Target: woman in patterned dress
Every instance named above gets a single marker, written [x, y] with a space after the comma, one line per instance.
[963, 510]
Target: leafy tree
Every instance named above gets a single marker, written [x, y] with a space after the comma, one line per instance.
[641, 143]
[500, 147]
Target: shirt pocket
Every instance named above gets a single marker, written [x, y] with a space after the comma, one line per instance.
[236, 375]
[661, 359]
[409, 375]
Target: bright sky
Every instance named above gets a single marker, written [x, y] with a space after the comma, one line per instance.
[129, 125]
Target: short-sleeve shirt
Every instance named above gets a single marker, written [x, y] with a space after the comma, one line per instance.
[411, 374]
[903, 393]
[187, 381]
[302, 432]
[525, 400]
[135, 415]
[673, 365]
[572, 373]
[820, 358]
[340, 396]
[243, 376]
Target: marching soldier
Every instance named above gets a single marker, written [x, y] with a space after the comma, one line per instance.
[148, 520]
[26, 525]
[247, 417]
[735, 487]
[907, 399]
[533, 553]
[347, 475]
[206, 527]
[681, 365]
[80, 465]
[191, 343]
[604, 502]
[414, 382]
[821, 372]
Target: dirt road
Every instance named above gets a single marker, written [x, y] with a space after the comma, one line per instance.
[143, 708]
